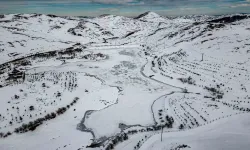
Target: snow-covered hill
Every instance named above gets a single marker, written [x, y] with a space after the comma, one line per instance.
[113, 82]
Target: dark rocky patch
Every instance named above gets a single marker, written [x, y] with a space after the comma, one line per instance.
[112, 38]
[157, 31]
[52, 16]
[5, 21]
[72, 31]
[107, 33]
[215, 26]
[13, 28]
[142, 15]
[11, 44]
[104, 15]
[36, 15]
[19, 16]
[131, 33]
[229, 19]
[55, 27]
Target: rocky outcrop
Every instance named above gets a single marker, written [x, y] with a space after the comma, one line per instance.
[229, 19]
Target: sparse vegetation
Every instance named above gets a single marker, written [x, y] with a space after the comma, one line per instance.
[188, 80]
[32, 125]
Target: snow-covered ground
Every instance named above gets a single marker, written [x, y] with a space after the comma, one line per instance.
[231, 133]
[113, 82]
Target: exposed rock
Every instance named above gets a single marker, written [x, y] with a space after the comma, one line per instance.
[52, 16]
[19, 16]
[229, 19]
[149, 13]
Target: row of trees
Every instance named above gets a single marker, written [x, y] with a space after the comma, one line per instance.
[118, 139]
[183, 146]
[32, 125]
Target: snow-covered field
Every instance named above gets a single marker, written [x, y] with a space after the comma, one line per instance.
[113, 82]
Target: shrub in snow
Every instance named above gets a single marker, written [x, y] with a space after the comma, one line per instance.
[31, 108]
[169, 121]
[181, 126]
[188, 80]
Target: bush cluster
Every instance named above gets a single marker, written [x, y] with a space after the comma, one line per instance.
[188, 80]
[118, 139]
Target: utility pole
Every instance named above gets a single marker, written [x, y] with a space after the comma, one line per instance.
[202, 56]
[161, 132]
